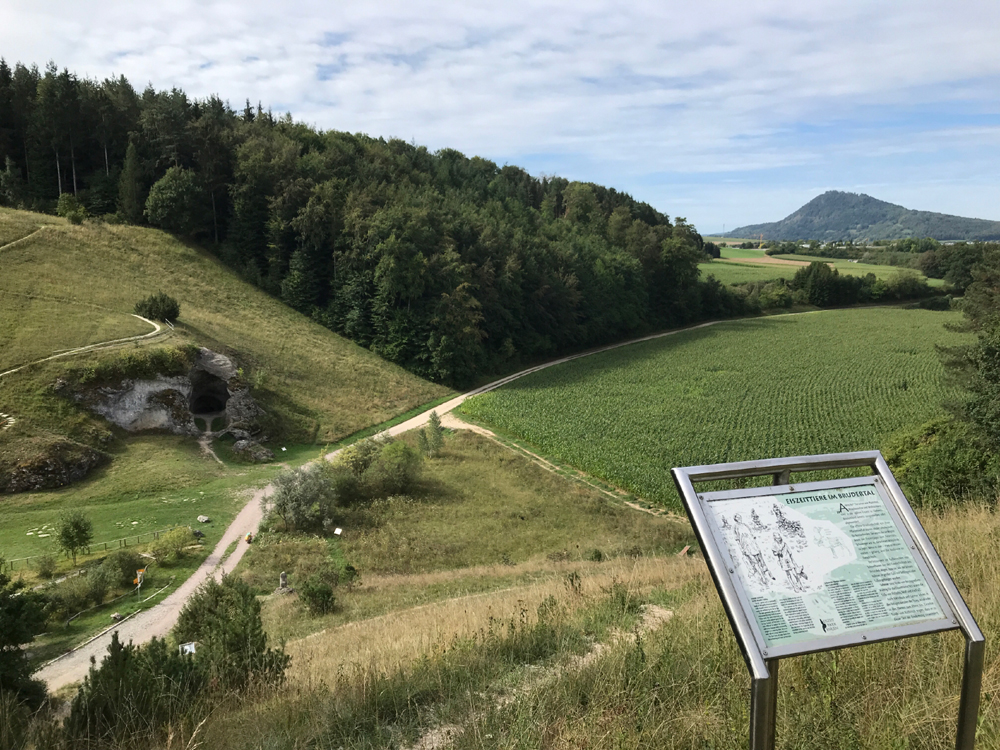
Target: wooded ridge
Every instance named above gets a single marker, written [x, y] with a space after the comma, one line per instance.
[450, 266]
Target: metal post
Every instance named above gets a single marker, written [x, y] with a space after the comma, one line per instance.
[764, 708]
[968, 705]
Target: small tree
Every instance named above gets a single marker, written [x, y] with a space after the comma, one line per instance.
[75, 533]
[159, 306]
[435, 436]
[22, 615]
[225, 618]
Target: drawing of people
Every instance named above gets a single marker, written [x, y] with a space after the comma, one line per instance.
[751, 552]
[794, 572]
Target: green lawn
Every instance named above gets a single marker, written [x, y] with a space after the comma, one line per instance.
[785, 385]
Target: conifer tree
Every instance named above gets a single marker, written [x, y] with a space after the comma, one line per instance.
[130, 201]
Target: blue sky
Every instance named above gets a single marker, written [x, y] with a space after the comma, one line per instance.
[721, 112]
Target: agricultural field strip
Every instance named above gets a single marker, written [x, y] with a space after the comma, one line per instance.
[92, 347]
[452, 421]
[665, 395]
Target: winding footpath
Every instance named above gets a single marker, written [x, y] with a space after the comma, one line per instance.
[92, 347]
[159, 619]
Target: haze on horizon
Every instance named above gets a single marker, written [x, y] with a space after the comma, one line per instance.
[728, 115]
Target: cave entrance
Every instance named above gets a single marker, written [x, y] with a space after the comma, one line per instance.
[209, 393]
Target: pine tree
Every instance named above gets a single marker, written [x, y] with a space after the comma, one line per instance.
[130, 201]
[435, 436]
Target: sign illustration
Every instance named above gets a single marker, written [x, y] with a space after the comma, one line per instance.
[823, 562]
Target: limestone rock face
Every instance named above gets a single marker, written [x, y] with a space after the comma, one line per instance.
[157, 404]
[212, 388]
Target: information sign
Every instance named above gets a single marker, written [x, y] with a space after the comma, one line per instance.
[806, 567]
[825, 566]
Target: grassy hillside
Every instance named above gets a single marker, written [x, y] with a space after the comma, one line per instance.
[68, 286]
[556, 651]
[786, 385]
[92, 275]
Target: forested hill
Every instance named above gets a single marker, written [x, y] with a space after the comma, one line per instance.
[453, 267]
[836, 215]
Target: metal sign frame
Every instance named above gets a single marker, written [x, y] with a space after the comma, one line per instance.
[763, 662]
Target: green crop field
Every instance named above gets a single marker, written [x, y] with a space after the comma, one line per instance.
[739, 273]
[737, 252]
[786, 385]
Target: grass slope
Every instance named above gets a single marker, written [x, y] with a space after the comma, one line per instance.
[785, 385]
[563, 653]
[325, 386]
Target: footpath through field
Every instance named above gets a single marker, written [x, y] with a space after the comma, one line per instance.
[159, 619]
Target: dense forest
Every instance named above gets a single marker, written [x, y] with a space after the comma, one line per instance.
[837, 215]
[453, 267]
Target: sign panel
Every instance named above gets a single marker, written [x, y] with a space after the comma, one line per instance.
[824, 565]
[821, 563]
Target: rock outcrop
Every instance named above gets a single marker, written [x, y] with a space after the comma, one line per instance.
[213, 387]
[62, 464]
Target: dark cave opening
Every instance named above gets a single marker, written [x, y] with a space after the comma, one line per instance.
[209, 393]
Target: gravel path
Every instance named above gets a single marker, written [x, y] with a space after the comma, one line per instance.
[159, 619]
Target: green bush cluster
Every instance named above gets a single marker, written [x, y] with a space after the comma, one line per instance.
[306, 499]
[138, 693]
[169, 547]
[159, 306]
[116, 572]
[69, 207]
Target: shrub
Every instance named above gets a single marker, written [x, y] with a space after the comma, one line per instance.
[71, 209]
[45, 566]
[134, 694]
[122, 564]
[393, 471]
[99, 580]
[303, 498]
[225, 618]
[159, 306]
[170, 546]
[317, 594]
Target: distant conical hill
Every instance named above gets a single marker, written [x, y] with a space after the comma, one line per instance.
[836, 215]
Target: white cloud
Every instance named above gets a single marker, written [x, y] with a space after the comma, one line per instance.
[626, 92]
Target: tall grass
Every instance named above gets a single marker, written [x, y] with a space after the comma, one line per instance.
[518, 680]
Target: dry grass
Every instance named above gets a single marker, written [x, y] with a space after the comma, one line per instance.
[392, 641]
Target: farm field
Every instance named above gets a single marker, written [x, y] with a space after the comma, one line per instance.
[791, 384]
[729, 272]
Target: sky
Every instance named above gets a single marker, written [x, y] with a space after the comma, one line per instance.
[725, 112]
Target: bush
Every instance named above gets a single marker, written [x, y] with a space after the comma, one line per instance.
[170, 546]
[944, 460]
[133, 695]
[122, 564]
[303, 498]
[158, 306]
[71, 209]
[317, 594]
[393, 471]
[99, 580]
[225, 619]
[45, 566]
